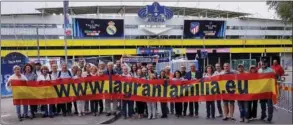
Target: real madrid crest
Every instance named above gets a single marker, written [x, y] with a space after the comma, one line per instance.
[111, 29]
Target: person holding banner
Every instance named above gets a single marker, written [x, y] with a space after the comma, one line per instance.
[178, 105]
[81, 64]
[267, 103]
[151, 105]
[219, 102]
[164, 105]
[65, 74]
[86, 73]
[127, 104]
[170, 76]
[210, 105]
[74, 72]
[110, 71]
[252, 105]
[31, 76]
[45, 76]
[94, 103]
[193, 75]
[37, 68]
[80, 103]
[243, 105]
[140, 106]
[228, 104]
[18, 76]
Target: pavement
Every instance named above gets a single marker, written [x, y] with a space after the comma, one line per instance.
[8, 116]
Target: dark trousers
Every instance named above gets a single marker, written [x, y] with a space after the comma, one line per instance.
[193, 108]
[252, 109]
[172, 105]
[219, 106]
[61, 107]
[264, 104]
[53, 107]
[243, 109]
[94, 106]
[34, 109]
[210, 106]
[178, 108]
[75, 107]
[101, 105]
[164, 107]
[127, 106]
[140, 107]
[185, 105]
[68, 108]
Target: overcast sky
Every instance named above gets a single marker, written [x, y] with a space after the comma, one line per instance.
[257, 9]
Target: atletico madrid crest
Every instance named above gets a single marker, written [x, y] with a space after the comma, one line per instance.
[194, 27]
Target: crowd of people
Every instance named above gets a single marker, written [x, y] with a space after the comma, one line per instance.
[137, 109]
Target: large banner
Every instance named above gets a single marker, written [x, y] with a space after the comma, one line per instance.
[204, 29]
[8, 62]
[223, 87]
[98, 28]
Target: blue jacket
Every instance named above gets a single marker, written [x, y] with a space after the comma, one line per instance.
[188, 75]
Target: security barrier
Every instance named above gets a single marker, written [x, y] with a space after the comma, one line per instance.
[285, 96]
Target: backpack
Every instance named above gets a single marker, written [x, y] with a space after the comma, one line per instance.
[69, 73]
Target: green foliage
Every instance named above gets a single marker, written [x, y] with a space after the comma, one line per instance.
[284, 9]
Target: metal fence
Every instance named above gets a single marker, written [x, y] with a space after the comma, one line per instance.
[285, 96]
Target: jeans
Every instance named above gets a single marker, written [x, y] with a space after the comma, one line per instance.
[48, 110]
[101, 104]
[18, 110]
[264, 104]
[86, 106]
[178, 108]
[164, 108]
[108, 106]
[34, 109]
[193, 108]
[172, 107]
[210, 105]
[127, 107]
[140, 107]
[94, 106]
[185, 105]
[243, 109]
[219, 106]
[252, 109]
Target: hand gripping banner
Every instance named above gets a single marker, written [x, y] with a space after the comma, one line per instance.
[223, 87]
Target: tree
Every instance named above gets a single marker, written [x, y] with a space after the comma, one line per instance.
[284, 9]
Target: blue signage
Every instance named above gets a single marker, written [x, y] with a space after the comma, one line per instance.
[8, 62]
[155, 13]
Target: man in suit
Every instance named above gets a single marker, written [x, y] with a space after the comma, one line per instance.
[110, 71]
[193, 75]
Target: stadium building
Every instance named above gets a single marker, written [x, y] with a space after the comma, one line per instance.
[207, 34]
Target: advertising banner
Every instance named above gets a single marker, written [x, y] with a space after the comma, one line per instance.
[98, 28]
[154, 50]
[243, 87]
[199, 29]
[8, 62]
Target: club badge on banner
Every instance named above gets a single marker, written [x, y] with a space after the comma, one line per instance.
[8, 62]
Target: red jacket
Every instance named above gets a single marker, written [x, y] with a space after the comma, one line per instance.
[278, 69]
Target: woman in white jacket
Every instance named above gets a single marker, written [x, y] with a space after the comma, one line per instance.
[45, 76]
[151, 105]
[18, 76]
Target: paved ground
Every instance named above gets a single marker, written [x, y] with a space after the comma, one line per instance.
[8, 116]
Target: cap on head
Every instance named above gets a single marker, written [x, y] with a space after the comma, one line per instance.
[240, 65]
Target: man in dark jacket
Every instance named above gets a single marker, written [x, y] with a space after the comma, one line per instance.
[193, 75]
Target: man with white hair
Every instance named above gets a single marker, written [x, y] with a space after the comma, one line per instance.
[102, 66]
[110, 71]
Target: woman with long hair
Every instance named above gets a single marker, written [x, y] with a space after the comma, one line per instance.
[178, 105]
[252, 105]
[210, 105]
[164, 105]
[94, 103]
[18, 76]
[31, 76]
[133, 70]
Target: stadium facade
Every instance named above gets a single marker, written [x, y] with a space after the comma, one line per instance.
[117, 30]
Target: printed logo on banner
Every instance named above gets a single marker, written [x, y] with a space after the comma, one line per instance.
[111, 29]
[155, 13]
[194, 27]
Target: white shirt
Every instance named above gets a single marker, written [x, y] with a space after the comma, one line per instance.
[14, 77]
[43, 78]
[217, 73]
[38, 73]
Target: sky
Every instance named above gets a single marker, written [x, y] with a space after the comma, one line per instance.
[257, 9]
